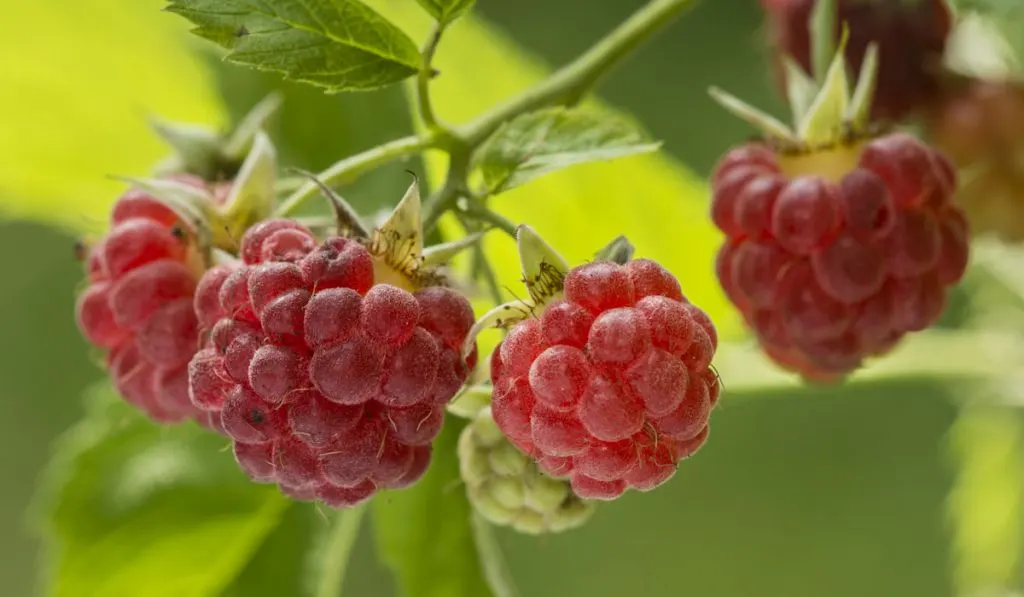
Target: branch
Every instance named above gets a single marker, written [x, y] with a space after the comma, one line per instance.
[352, 167]
[574, 80]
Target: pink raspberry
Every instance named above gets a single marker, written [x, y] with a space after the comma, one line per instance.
[138, 305]
[612, 385]
[830, 266]
[330, 385]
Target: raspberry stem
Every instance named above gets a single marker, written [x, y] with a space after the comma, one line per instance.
[334, 554]
[496, 570]
[352, 167]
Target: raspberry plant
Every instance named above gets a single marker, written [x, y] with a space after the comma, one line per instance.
[374, 363]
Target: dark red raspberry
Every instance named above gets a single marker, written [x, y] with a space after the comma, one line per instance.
[980, 125]
[138, 305]
[838, 267]
[911, 36]
[330, 385]
[611, 386]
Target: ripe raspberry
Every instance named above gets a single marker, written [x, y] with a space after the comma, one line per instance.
[507, 488]
[980, 124]
[911, 35]
[330, 385]
[611, 386]
[832, 256]
[138, 305]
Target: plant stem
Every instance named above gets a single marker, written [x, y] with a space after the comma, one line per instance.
[936, 354]
[336, 550]
[481, 213]
[351, 167]
[423, 79]
[492, 560]
[574, 80]
[454, 186]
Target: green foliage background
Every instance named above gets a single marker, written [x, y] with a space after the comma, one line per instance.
[838, 492]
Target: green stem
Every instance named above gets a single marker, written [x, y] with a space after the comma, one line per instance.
[476, 210]
[936, 354]
[573, 81]
[454, 186]
[336, 550]
[351, 167]
[423, 79]
[492, 561]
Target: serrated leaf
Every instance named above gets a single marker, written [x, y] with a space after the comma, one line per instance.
[446, 11]
[127, 504]
[423, 533]
[340, 45]
[544, 141]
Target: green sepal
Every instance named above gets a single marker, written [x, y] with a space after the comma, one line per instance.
[542, 267]
[195, 206]
[471, 401]
[253, 191]
[346, 219]
[821, 24]
[762, 121]
[239, 143]
[620, 251]
[402, 231]
[825, 119]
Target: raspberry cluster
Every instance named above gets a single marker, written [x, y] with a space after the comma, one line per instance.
[612, 385]
[328, 384]
[508, 488]
[840, 262]
[911, 37]
[980, 125]
[138, 305]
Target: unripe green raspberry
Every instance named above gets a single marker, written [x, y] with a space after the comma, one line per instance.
[507, 488]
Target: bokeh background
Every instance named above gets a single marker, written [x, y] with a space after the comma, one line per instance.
[799, 493]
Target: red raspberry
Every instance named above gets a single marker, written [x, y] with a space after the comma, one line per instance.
[838, 267]
[611, 386]
[911, 36]
[138, 304]
[330, 385]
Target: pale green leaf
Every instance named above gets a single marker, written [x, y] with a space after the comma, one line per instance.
[446, 11]
[986, 505]
[548, 140]
[128, 504]
[68, 128]
[423, 533]
[335, 44]
[653, 199]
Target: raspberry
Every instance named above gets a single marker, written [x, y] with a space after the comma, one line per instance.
[842, 264]
[507, 488]
[142, 276]
[331, 386]
[610, 385]
[980, 124]
[911, 36]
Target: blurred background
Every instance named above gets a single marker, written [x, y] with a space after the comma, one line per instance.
[800, 493]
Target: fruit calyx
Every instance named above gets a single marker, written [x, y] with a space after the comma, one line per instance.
[830, 122]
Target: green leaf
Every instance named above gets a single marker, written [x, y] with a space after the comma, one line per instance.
[128, 504]
[340, 45]
[423, 533]
[60, 145]
[544, 141]
[987, 500]
[446, 11]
